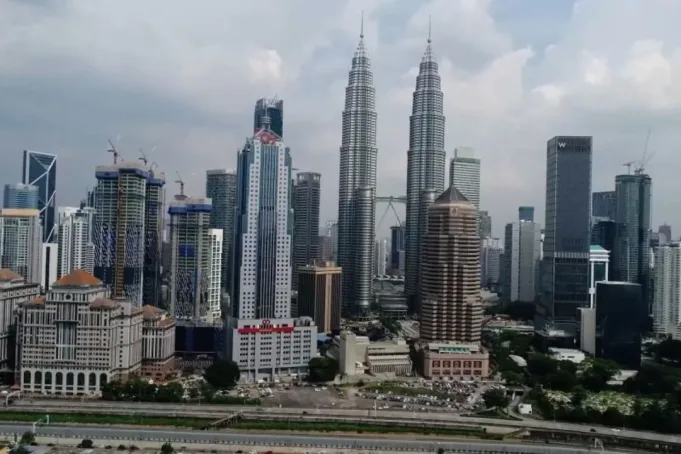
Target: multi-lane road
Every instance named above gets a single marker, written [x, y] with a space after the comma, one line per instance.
[217, 411]
[119, 435]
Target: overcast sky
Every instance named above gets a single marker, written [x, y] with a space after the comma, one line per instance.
[183, 76]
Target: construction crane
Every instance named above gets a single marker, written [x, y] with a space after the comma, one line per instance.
[181, 183]
[115, 152]
[645, 158]
[628, 166]
[143, 157]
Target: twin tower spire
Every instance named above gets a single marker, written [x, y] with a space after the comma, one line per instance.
[357, 184]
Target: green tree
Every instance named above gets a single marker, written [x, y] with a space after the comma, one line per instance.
[27, 438]
[578, 396]
[322, 369]
[86, 444]
[495, 398]
[223, 374]
[541, 365]
[513, 378]
[167, 448]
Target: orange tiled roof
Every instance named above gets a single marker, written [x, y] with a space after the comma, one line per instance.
[9, 275]
[103, 303]
[77, 278]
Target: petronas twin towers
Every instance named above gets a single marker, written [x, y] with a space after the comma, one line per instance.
[357, 187]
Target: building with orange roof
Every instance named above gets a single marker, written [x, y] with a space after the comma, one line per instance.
[14, 290]
[158, 343]
[76, 338]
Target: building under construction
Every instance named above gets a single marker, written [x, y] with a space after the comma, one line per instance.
[191, 259]
[153, 237]
[119, 233]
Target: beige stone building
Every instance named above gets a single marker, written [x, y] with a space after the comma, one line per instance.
[454, 361]
[76, 339]
[158, 343]
[451, 308]
[14, 290]
[319, 294]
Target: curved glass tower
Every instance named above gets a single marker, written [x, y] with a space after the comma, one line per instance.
[425, 162]
[358, 154]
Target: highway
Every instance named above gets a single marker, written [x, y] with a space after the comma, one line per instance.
[118, 435]
[217, 411]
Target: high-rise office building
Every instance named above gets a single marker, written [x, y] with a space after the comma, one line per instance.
[306, 196]
[358, 155]
[76, 250]
[20, 195]
[667, 294]
[332, 232]
[665, 234]
[21, 243]
[153, 238]
[273, 109]
[451, 308]
[526, 214]
[380, 257]
[319, 295]
[40, 169]
[261, 288]
[397, 245]
[119, 235]
[603, 205]
[221, 189]
[214, 301]
[191, 268]
[464, 174]
[485, 229]
[325, 248]
[631, 256]
[603, 234]
[565, 265]
[425, 162]
[522, 249]
[491, 253]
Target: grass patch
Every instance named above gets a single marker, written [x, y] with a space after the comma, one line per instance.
[72, 418]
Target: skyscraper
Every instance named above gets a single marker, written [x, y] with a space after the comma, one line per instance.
[631, 255]
[272, 109]
[451, 309]
[221, 189]
[485, 224]
[603, 205]
[306, 196]
[522, 248]
[40, 169]
[76, 250]
[526, 214]
[119, 235]
[20, 195]
[490, 263]
[464, 174]
[565, 267]
[190, 262]
[358, 155]
[665, 233]
[21, 243]
[261, 285]
[667, 295]
[397, 244]
[380, 257]
[425, 162]
[153, 237]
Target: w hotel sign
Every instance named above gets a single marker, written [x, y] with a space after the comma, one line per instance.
[573, 143]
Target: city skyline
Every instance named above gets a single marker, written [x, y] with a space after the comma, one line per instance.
[195, 129]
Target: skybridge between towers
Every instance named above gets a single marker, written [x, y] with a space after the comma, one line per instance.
[391, 200]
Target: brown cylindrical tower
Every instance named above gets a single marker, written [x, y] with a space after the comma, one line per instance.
[451, 309]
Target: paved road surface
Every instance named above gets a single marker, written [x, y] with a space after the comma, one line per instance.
[417, 417]
[128, 435]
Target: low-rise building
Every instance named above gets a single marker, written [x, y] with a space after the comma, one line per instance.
[14, 290]
[351, 351]
[158, 343]
[455, 361]
[267, 349]
[389, 357]
[76, 339]
[567, 354]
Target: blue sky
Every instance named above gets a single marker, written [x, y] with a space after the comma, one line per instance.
[184, 79]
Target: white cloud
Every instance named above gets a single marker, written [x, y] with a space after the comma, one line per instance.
[614, 72]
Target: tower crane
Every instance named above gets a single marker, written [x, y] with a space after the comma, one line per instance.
[628, 166]
[181, 183]
[116, 154]
[143, 157]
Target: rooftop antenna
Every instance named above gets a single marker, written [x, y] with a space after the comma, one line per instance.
[181, 183]
[116, 154]
[429, 28]
[361, 28]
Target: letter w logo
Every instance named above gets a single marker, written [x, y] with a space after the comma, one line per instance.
[561, 144]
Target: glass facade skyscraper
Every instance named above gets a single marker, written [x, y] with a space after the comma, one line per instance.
[306, 197]
[274, 110]
[20, 195]
[221, 189]
[603, 205]
[40, 169]
[565, 267]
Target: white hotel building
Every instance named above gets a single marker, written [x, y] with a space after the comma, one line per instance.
[262, 338]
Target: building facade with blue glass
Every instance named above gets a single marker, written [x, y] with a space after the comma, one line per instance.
[40, 169]
[20, 195]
